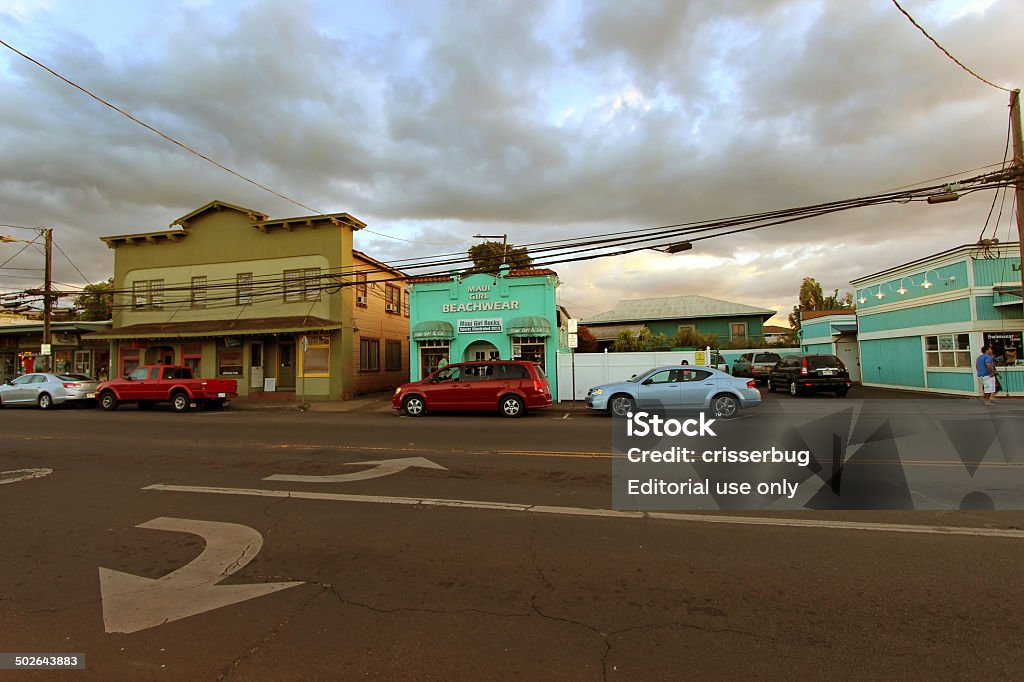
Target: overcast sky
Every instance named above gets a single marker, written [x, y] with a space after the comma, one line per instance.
[432, 121]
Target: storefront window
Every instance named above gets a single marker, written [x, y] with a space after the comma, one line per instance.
[230, 354]
[1006, 347]
[316, 360]
[433, 354]
[529, 348]
[948, 350]
[62, 361]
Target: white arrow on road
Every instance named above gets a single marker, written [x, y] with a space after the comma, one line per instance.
[384, 467]
[132, 603]
[15, 475]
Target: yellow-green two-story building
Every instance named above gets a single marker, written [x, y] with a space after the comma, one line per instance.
[271, 303]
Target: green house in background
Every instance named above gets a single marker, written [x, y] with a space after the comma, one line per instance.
[730, 321]
[922, 324]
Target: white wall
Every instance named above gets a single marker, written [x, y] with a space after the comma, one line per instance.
[594, 369]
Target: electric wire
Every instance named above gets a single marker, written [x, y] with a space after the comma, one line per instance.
[945, 51]
[189, 149]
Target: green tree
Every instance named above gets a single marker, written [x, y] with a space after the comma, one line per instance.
[96, 302]
[811, 297]
[489, 256]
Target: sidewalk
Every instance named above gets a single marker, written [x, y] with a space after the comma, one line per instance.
[375, 402]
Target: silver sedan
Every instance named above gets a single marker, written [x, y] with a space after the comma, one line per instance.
[677, 388]
[48, 390]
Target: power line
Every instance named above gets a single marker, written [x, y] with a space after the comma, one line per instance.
[189, 149]
[946, 52]
[84, 278]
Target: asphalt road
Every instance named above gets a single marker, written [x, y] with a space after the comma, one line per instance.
[507, 563]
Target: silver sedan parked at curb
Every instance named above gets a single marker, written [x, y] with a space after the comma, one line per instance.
[677, 388]
[48, 390]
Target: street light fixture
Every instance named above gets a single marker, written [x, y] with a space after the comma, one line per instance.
[678, 247]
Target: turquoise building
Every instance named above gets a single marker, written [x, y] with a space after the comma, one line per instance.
[831, 332]
[922, 324]
[513, 315]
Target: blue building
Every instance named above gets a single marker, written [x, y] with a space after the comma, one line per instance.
[921, 325]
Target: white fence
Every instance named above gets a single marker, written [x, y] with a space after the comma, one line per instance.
[594, 369]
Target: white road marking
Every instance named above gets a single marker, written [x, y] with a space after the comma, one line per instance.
[23, 474]
[609, 513]
[132, 603]
[384, 467]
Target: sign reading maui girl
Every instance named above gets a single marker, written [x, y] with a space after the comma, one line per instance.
[881, 454]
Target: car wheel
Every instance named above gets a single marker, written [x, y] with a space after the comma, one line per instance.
[725, 406]
[771, 386]
[45, 401]
[620, 405]
[842, 392]
[180, 402]
[794, 390]
[413, 406]
[108, 401]
[512, 406]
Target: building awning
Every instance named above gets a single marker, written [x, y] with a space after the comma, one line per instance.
[840, 328]
[530, 325]
[433, 329]
[1006, 294]
[610, 332]
[208, 328]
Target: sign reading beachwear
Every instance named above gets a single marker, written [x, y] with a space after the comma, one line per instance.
[478, 306]
[481, 325]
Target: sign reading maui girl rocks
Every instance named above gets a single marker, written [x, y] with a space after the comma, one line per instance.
[822, 454]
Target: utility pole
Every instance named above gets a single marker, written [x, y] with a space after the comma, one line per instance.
[47, 295]
[1018, 162]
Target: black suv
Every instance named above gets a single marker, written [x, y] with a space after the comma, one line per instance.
[801, 374]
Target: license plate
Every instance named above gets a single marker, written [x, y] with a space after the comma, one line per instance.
[90, 395]
[222, 395]
[828, 372]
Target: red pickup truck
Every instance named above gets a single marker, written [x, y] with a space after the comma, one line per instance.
[148, 385]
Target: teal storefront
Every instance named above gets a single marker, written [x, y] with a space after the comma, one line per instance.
[513, 315]
[921, 325]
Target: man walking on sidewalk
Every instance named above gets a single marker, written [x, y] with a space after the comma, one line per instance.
[986, 368]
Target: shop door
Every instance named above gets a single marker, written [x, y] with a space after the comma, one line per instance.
[83, 362]
[286, 366]
[847, 352]
[256, 364]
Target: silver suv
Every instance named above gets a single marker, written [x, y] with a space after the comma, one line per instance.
[755, 366]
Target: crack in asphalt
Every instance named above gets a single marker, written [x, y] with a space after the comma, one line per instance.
[269, 636]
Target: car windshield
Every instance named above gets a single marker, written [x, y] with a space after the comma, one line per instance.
[767, 357]
[822, 361]
[540, 370]
[73, 377]
[636, 377]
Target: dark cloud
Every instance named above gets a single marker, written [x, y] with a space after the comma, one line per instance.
[435, 121]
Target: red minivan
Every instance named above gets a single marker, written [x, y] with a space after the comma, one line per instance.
[509, 386]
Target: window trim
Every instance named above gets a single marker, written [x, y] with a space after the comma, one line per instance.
[243, 288]
[368, 362]
[198, 291]
[148, 294]
[389, 366]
